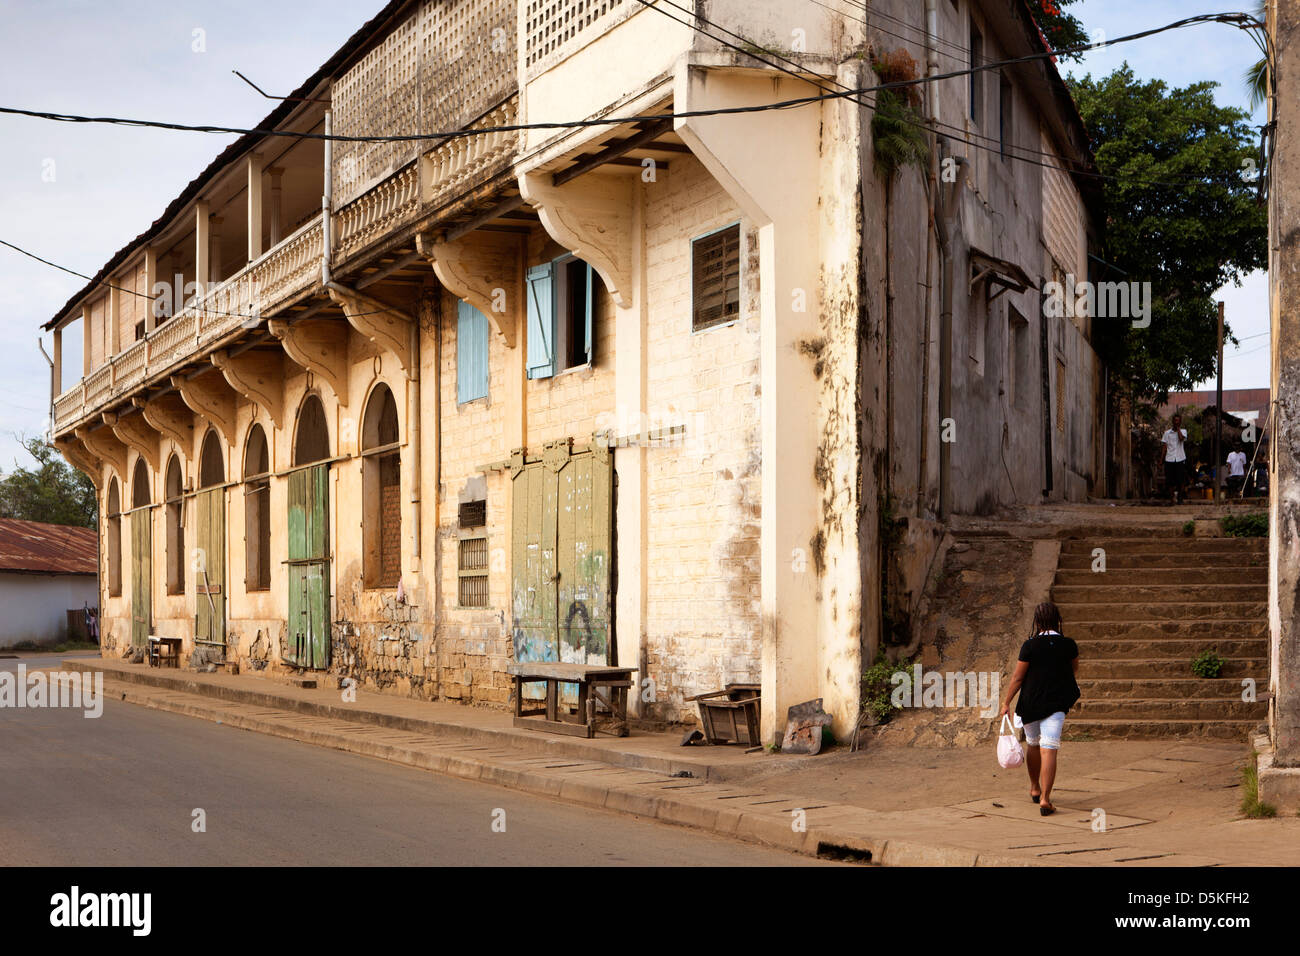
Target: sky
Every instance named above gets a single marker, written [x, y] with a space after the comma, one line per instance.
[76, 193]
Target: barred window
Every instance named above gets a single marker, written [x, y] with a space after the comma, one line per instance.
[472, 565]
[715, 278]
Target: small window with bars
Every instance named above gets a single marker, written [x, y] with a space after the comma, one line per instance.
[472, 565]
[715, 278]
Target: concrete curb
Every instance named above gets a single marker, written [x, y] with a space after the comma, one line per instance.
[555, 746]
[656, 795]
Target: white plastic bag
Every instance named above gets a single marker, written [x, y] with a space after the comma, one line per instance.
[1010, 753]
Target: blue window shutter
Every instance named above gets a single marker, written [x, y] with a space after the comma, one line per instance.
[541, 321]
[471, 353]
[588, 345]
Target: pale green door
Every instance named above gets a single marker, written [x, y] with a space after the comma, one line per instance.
[309, 594]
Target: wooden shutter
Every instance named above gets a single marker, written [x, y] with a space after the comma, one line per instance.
[471, 353]
[541, 321]
[715, 278]
[589, 272]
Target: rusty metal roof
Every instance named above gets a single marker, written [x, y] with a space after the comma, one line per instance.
[34, 547]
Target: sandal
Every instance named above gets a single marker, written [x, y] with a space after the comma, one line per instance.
[1046, 811]
[1036, 797]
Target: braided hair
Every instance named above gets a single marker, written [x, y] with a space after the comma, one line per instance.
[1047, 617]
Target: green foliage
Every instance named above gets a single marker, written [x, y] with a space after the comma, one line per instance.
[897, 134]
[1250, 802]
[52, 492]
[877, 686]
[1189, 528]
[1060, 29]
[1252, 525]
[1207, 664]
[1257, 78]
[1186, 240]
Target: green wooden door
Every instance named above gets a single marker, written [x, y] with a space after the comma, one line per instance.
[561, 540]
[210, 567]
[141, 577]
[309, 594]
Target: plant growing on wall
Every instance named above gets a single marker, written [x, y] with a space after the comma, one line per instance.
[897, 127]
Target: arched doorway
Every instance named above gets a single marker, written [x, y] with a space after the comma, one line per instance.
[141, 556]
[257, 512]
[210, 552]
[381, 469]
[309, 536]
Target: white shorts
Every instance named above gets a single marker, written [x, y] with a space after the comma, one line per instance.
[1048, 731]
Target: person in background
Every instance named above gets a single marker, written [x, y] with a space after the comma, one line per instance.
[1175, 441]
[1236, 470]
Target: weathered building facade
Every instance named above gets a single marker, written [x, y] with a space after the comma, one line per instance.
[617, 364]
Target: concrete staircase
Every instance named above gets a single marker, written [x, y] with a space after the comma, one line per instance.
[1162, 599]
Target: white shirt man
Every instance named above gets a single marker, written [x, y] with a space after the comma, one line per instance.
[1237, 462]
[1174, 439]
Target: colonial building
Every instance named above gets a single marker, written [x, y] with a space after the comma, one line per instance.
[614, 362]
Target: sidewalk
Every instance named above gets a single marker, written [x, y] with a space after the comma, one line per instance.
[1166, 803]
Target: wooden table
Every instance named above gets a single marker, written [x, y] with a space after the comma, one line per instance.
[164, 650]
[597, 684]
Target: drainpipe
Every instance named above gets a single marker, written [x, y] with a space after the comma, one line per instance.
[932, 112]
[945, 220]
[54, 387]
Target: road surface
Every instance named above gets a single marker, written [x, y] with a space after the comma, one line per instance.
[123, 790]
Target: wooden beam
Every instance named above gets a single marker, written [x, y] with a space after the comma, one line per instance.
[383, 324]
[485, 270]
[258, 376]
[75, 452]
[134, 432]
[170, 416]
[212, 399]
[105, 446]
[320, 346]
[615, 149]
[493, 212]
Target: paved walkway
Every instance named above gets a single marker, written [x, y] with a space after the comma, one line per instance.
[1165, 803]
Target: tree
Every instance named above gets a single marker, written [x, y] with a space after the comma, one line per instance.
[52, 492]
[1180, 212]
[1257, 78]
[1060, 29]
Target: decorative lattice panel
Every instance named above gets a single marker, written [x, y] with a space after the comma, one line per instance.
[551, 25]
[447, 64]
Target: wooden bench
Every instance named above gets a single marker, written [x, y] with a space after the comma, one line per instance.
[597, 684]
[164, 650]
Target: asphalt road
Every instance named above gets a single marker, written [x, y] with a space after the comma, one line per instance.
[122, 790]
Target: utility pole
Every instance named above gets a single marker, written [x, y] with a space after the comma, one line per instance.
[1218, 419]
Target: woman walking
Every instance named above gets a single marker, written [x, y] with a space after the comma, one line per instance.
[1045, 679]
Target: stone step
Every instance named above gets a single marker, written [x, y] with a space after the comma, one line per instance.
[1147, 544]
[1154, 611]
[1178, 577]
[1116, 729]
[1167, 648]
[1191, 629]
[1170, 559]
[1107, 589]
[1146, 668]
[1163, 708]
[1169, 688]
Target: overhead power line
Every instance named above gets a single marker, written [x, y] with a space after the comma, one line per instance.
[1235, 19]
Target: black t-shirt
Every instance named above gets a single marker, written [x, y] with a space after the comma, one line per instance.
[1049, 683]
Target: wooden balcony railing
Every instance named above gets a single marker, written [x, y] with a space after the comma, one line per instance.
[258, 289]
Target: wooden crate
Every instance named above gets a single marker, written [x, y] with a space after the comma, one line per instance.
[730, 715]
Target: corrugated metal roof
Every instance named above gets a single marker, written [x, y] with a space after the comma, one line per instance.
[37, 547]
